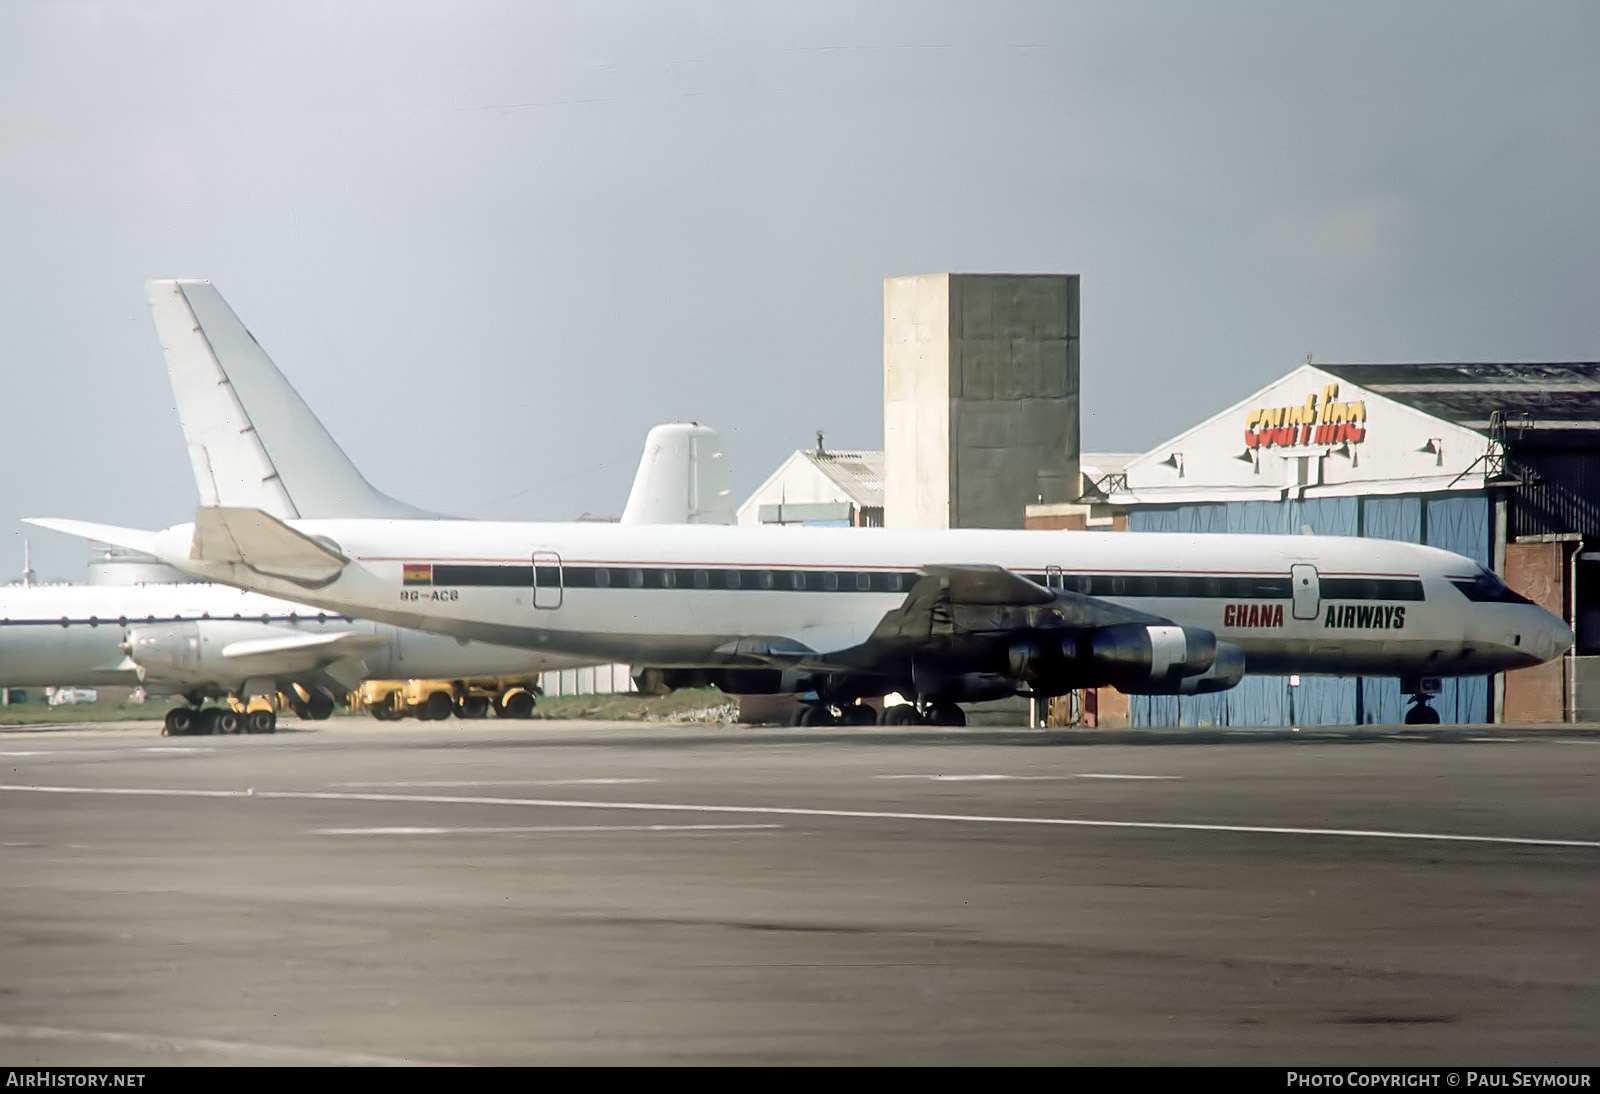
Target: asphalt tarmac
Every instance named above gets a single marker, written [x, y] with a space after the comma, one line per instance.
[494, 893]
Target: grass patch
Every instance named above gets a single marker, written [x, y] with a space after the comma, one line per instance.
[42, 713]
[686, 704]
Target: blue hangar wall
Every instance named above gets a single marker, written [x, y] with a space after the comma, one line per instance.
[1459, 522]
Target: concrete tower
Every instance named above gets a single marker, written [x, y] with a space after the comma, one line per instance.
[980, 397]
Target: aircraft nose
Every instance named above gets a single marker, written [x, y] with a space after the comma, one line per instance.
[1553, 638]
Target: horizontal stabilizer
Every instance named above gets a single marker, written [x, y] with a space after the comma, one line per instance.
[132, 538]
[265, 544]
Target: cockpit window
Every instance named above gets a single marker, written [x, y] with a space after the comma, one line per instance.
[1485, 587]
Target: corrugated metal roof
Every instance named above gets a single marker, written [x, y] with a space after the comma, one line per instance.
[1542, 402]
[858, 474]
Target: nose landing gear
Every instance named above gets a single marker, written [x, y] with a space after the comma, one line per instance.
[1421, 714]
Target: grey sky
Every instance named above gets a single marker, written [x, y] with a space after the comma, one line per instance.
[494, 242]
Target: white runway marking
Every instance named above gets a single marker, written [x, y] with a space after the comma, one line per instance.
[542, 828]
[1020, 778]
[794, 811]
[102, 751]
[443, 783]
[244, 1050]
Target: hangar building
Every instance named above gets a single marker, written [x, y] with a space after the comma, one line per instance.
[1497, 462]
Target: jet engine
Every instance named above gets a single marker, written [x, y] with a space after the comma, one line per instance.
[1137, 658]
[1225, 672]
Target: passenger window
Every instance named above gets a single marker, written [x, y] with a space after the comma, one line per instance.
[731, 578]
[636, 578]
[830, 581]
[797, 578]
[602, 578]
[863, 582]
[702, 579]
[764, 579]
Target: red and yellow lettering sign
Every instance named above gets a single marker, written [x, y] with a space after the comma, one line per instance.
[1319, 421]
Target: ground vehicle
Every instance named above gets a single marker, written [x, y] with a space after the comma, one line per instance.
[430, 700]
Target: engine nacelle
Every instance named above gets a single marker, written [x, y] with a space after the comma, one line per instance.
[1136, 654]
[165, 651]
[1226, 670]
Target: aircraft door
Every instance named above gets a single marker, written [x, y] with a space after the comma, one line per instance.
[546, 580]
[1307, 590]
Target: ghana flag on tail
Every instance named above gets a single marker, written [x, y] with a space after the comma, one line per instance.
[417, 573]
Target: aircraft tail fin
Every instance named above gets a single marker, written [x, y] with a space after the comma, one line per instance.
[274, 456]
[682, 479]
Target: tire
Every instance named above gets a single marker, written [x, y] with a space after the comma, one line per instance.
[261, 721]
[473, 706]
[946, 714]
[227, 721]
[179, 722]
[902, 714]
[811, 716]
[858, 714]
[519, 704]
[205, 721]
[436, 707]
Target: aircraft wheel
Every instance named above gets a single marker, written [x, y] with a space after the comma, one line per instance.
[946, 714]
[817, 716]
[179, 722]
[261, 721]
[228, 721]
[519, 704]
[1422, 715]
[437, 706]
[205, 721]
[473, 706]
[858, 714]
[319, 706]
[901, 714]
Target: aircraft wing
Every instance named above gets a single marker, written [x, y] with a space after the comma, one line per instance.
[969, 614]
[335, 656]
[955, 600]
[330, 646]
[265, 544]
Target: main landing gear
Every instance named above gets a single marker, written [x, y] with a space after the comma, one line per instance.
[860, 714]
[192, 721]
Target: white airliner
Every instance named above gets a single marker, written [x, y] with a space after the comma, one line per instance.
[941, 616]
[252, 441]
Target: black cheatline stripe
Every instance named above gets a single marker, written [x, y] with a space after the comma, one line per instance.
[1370, 588]
[1178, 587]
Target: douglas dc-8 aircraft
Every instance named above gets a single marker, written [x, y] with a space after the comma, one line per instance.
[252, 441]
[942, 617]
